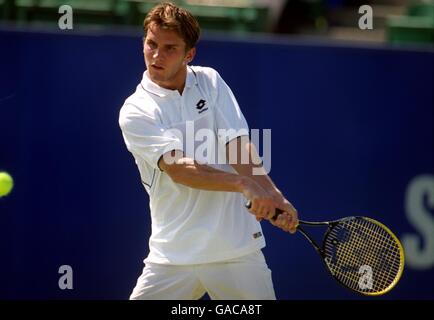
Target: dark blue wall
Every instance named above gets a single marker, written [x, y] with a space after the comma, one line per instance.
[352, 128]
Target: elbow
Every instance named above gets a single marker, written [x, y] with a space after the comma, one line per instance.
[178, 169]
[181, 170]
[174, 172]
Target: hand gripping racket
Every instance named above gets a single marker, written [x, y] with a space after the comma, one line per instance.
[361, 253]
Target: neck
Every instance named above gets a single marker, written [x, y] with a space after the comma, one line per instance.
[177, 82]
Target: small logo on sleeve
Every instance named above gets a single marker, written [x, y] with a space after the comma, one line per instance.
[201, 106]
[257, 235]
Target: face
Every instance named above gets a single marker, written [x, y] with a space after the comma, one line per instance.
[166, 57]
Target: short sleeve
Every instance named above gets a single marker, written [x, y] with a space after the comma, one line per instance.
[144, 137]
[230, 121]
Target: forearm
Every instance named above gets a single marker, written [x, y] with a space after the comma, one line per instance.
[251, 169]
[187, 172]
[263, 180]
[266, 207]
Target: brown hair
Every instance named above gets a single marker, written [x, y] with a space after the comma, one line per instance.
[169, 16]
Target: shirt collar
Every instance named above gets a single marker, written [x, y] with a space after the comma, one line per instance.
[154, 88]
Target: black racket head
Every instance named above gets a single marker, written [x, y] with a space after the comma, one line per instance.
[363, 255]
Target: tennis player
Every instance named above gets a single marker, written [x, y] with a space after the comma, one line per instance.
[203, 238]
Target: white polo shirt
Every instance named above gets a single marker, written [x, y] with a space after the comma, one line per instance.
[189, 226]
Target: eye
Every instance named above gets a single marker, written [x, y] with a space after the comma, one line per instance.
[152, 45]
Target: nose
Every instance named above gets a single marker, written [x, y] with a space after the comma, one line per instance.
[155, 54]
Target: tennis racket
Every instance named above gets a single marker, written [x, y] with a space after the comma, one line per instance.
[361, 253]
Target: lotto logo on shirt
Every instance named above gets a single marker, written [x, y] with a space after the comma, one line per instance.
[200, 106]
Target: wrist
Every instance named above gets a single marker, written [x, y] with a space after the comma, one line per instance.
[277, 195]
[243, 183]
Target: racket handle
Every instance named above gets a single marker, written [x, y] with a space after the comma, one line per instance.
[278, 211]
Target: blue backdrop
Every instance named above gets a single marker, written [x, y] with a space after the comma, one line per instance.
[352, 134]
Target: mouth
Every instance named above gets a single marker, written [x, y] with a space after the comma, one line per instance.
[157, 67]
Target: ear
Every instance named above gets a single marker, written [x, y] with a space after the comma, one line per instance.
[189, 55]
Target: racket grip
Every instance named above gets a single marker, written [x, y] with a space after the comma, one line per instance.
[278, 211]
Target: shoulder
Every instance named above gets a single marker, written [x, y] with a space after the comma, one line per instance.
[206, 75]
[138, 105]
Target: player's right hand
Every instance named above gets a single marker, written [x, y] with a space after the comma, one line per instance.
[263, 204]
[288, 219]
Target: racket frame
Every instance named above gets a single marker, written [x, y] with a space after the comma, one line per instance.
[321, 250]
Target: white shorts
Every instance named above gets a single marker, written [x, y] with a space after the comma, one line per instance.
[244, 278]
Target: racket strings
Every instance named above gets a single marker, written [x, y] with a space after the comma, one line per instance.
[376, 237]
[389, 254]
[369, 260]
[358, 243]
[351, 278]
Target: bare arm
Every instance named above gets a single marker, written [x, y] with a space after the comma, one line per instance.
[190, 173]
[262, 209]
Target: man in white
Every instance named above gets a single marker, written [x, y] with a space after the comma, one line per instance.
[203, 238]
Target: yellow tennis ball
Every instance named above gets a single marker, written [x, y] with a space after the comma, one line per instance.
[6, 184]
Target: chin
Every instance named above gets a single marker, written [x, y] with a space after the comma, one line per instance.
[156, 77]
